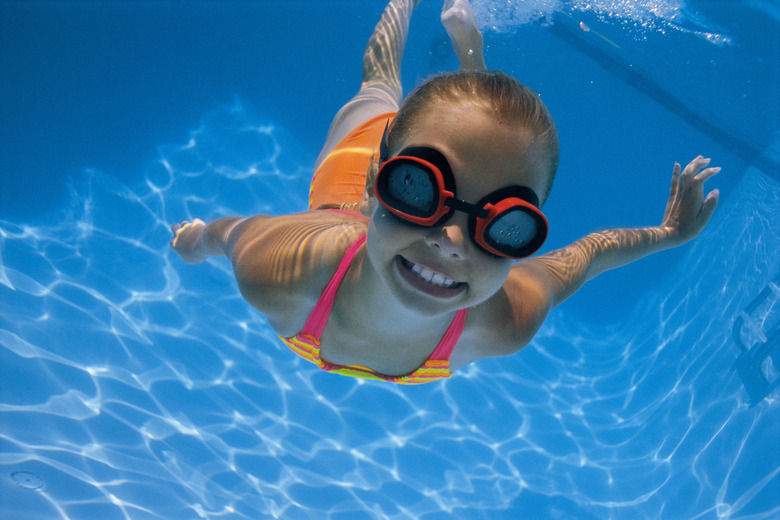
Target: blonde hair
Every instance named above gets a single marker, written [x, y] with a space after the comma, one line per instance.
[500, 95]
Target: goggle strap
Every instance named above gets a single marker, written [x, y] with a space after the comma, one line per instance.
[466, 207]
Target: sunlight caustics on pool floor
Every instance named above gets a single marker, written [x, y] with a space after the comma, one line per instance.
[137, 387]
[134, 386]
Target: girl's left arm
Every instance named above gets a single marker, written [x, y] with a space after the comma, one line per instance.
[557, 275]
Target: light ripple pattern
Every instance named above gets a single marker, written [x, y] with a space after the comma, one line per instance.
[137, 387]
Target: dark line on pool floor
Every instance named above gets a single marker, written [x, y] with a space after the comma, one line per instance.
[755, 156]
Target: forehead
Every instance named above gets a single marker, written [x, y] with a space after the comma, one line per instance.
[482, 151]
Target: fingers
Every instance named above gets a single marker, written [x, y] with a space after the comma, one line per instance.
[175, 228]
[692, 172]
[693, 177]
[704, 175]
[688, 210]
[695, 165]
[708, 207]
[675, 179]
[178, 228]
[185, 224]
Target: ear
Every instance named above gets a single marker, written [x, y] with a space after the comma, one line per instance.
[368, 193]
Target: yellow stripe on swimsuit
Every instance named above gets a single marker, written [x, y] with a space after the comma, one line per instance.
[308, 348]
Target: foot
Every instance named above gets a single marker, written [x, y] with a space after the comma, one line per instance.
[461, 25]
[187, 241]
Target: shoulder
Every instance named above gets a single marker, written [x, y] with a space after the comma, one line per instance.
[282, 264]
[292, 246]
[314, 235]
[505, 323]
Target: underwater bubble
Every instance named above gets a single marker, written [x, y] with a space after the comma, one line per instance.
[507, 16]
[638, 17]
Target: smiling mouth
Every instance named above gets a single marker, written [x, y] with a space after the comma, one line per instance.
[429, 281]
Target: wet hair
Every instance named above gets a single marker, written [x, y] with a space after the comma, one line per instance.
[500, 95]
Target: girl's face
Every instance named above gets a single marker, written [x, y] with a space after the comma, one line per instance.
[436, 270]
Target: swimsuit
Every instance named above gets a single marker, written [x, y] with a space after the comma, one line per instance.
[307, 343]
[340, 180]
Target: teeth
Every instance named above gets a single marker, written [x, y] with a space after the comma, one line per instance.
[432, 277]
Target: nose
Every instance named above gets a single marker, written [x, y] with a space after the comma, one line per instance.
[449, 240]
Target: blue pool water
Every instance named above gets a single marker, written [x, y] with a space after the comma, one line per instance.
[136, 387]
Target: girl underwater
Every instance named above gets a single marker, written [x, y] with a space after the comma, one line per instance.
[405, 267]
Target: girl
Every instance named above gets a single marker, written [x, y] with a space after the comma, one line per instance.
[404, 269]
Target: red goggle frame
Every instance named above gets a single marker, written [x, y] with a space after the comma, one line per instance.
[418, 187]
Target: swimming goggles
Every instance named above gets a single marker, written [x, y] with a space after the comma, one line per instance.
[418, 187]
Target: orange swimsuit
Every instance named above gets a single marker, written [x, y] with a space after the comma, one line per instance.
[340, 179]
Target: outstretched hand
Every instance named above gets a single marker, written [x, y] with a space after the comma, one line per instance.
[688, 211]
[187, 240]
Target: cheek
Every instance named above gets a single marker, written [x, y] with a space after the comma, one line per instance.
[386, 234]
[492, 274]
[391, 227]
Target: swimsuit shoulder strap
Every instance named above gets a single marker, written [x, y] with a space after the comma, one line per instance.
[444, 349]
[319, 316]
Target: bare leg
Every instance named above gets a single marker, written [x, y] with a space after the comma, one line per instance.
[380, 91]
[461, 24]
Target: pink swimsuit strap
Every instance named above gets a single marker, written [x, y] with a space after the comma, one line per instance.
[319, 316]
[318, 319]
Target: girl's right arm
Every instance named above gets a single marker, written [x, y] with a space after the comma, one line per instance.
[195, 241]
[278, 262]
